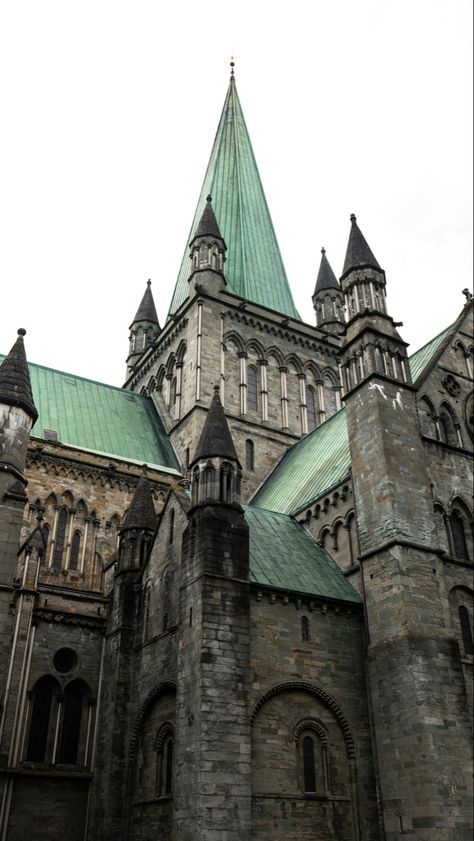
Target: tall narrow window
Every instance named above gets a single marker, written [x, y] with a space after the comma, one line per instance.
[169, 766]
[71, 726]
[209, 479]
[39, 723]
[164, 760]
[74, 556]
[60, 538]
[249, 454]
[459, 537]
[304, 629]
[309, 769]
[171, 527]
[252, 399]
[226, 483]
[310, 407]
[466, 630]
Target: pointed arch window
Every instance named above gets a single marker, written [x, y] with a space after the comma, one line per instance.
[164, 761]
[459, 536]
[60, 538]
[209, 480]
[71, 725]
[252, 395]
[466, 630]
[448, 432]
[42, 701]
[310, 407]
[75, 545]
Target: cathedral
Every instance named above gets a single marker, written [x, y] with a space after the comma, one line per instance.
[236, 593]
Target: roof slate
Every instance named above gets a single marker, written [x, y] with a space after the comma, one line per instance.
[358, 253]
[254, 268]
[326, 278]
[284, 555]
[100, 418]
[215, 439]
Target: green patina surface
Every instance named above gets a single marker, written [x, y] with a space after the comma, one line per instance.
[321, 460]
[254, 268]
[99, 418]
[422, 357]
[285, 556]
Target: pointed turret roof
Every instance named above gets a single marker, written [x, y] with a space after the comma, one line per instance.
[358, 254]
[216, 439]
[326, 277]
[208, 225]
[15, 385]
[141, 514]
[147, 310]
[254, 267]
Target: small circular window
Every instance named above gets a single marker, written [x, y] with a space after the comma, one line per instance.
[64, 660]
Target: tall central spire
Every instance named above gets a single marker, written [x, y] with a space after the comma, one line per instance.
[254, 268]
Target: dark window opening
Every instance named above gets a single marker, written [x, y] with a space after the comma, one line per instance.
[304, 629]
[39, 723]
[310, 408]
[74, 556]
[466, 630]
[252, 398]
[169, 767]
[249, 454]
[60, 538]
[71, 726]
[309, 769]
[459, 537]
[171, 527]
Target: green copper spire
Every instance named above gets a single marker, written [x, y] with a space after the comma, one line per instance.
[254, 269]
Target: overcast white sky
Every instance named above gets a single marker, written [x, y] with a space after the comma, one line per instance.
[108, 113]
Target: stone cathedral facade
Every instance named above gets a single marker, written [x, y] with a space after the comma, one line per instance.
[236, 594]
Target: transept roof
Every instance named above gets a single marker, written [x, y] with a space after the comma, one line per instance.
[254, 268]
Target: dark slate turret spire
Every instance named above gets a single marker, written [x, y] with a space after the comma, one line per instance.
[216, 470]
[207, 250]
[144, 329]
[141, 514]
[328, 300]
[216, 439]
[358, 253]
[208, 226]
[15, 385]
[362, 279]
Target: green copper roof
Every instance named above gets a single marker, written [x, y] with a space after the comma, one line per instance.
[321, 460]
[99, 418]
[422, 357]
[285, 556]
[314, 464]
[254, 269]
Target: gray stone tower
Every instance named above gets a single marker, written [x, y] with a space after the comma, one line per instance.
[212, 782]
[328, 300]
[110, 815]
[415, 683]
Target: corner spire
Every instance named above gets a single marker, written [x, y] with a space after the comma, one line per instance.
[358, 254]
[147, 310]
[208, 226]
[328, 300]
[141, 514]
[15, 384]
[326, 278]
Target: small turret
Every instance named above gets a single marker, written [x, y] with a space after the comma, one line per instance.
[17, 410]
[144, 329]
[207, 251]
[362, 279]
[138, 527]
[216, 470]
[328, 300]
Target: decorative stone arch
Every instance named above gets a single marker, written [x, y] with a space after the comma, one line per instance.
[165, 730]
[296, 362]
[181, 352]
[309, 724]
[316, 692]
[159, 689]
[160, 376]
[449, 422]
[254, 346]
[232, 336]
[276, 353]
[311, 368]
[170, 364]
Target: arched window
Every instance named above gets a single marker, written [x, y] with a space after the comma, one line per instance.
[226, 483]
[209, 480]
[323, 538]
[309, 766]
[447, 428]
[71, 725]
[310, 407]
[249, 454]
[40, 720]
[173, 393]
[466, 630]
[252, 398]
[171, 527]
[164, 760]
[459, 536]
[60, 538]
[74, 556]
[195, 486]
[304, 629]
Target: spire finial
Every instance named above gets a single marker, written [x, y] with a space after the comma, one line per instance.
[216, 390]
[323, 251]
[148, 283]
[232, 65]
[21, 332]
[209, 198]
[353, 218]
